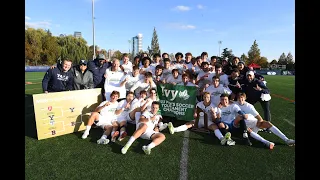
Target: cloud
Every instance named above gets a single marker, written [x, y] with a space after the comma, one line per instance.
[199, 6]
[181, 26]
[181, 8]
[37, 24]
[213, 32]
[27, 18]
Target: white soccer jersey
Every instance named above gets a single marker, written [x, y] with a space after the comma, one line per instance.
[108, 111]
[188, 84]
[151, 124]
[229, 113]
[132, 80]
[216, 92]
[248, 108]
[114, 78]
[224, 80]
[141, 85]
[148, 69]
[207, 80]
[178, 66]
[166, 72]
[170, 79]
[122, 104]
[207, 109]
[127, 67]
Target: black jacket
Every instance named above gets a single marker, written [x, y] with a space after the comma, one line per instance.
[253, 95]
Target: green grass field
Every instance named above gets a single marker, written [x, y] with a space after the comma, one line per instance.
[70, 157]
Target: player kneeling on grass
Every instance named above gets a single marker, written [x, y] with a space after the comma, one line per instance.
[103, 116]
[211, 115]
[255, 122]
[123, 110]
[146, 128]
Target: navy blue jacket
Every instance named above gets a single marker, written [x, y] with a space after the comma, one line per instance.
[249, 88]
[55, 80]
[98, 72]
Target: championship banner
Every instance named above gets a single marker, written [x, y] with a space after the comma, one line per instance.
[65, 112]
[177, 101]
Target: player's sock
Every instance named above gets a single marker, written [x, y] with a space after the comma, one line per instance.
[218, 134]
[104, 137]
[181, 128]
[131, 140]
[243, 126]
[121, 132]
[258, 137]
[151, 145]
[87, 129]
[277, 132]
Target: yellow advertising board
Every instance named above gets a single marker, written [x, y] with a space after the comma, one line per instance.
[63, 113]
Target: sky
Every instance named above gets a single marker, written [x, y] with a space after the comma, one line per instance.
[182, 25]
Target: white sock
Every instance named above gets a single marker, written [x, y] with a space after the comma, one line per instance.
[162, 126]
[258, 137]
[104, 137]
[277, 132]
[131, 140]
[87, 129]
[218, 134]
[181, 128]
[151, 145]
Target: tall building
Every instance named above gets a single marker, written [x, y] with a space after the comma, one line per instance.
[77, 34]
[136, 44]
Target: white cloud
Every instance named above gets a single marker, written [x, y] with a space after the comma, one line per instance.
[27, 18]
[182, 8]
[39, 24]
[181, 26]
[199, 6]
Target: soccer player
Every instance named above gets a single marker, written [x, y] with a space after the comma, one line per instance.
[211, 115]
[122, 112]
[103, 116]
[146, 129]
[232, 118]
[256, 122]
[216, 89]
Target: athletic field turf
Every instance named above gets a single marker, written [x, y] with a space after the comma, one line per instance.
[183, 155]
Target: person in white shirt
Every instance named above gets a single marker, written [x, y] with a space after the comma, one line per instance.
[156, 60]
[134, 115]
[114, 79]
[186, 80]
[167, 69]
[179, 63]
[223, 77]
[174, 78]
[125, 64]
[144, 84]
[204, 77]
[256, 122]
[216, 89]
[210, 114]
[147, 128]
[158, 77]
[146, 66]
[122, 112]
[232, 118]
[132, 78]
[103, 116]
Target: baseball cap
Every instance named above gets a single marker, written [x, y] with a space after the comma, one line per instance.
[251, 73]
[101, 57]
[83, 62]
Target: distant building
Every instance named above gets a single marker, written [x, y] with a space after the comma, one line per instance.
[77, 34]
[136, 44]
[110, 53]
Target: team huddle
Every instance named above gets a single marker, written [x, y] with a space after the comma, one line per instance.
[226, 93]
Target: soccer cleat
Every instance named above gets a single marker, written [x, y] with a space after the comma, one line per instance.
[231, 142]
[245, 135]
[146, 150]
[114, 136]
[290, 142]
[123, 135]
[171, 128]
[270, 145]
[164, 126]
[267, 130]
[124, 149]
[103, 141]
[226, 137]
[85, 135]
